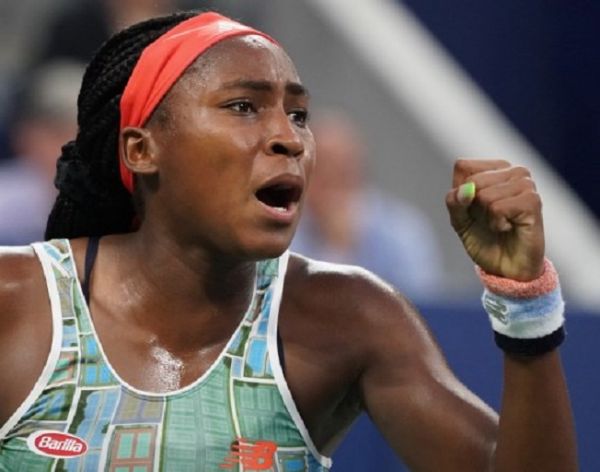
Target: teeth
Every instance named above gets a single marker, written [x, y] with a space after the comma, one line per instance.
[281, 209]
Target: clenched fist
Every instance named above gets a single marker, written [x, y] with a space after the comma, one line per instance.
[499, 221]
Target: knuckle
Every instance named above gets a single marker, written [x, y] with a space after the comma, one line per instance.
[461, 164]
[531, 183]
[477, 179]
[527, 184]
[484, 197]
[536, 200]
[494, 208]
[521, 171]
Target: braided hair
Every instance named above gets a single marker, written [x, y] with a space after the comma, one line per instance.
[92, 201]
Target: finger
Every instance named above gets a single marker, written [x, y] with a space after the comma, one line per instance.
[499, 176]
[502, 190]
[458, 201]
[464, 168]
[523, 209]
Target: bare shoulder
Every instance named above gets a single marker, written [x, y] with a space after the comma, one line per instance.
[320, 275]
[333, 321]
[25, 324]
[351, 304]
[352, 291]
[22, 292]
[21, 282]
[20, 274]
[362, 314]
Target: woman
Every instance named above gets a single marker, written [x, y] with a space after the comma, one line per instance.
[171, 343]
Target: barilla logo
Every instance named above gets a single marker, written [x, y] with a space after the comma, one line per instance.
[56, 444]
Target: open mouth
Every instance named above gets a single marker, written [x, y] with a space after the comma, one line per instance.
[280, 197]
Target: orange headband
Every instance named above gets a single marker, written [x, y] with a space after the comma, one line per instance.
[164, 61]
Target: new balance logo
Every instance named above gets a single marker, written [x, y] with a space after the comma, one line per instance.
[496, 308]
[252, 456]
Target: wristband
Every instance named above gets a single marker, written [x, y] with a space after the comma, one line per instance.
[527, 317]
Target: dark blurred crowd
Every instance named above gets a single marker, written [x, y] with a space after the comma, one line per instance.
[39, 82]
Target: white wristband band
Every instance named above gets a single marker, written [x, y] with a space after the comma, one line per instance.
[525, 318]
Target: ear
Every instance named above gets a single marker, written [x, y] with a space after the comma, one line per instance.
[137, 150]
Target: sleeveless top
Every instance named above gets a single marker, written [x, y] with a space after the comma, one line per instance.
[81, 416]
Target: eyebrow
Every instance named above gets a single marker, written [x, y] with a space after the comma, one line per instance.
[293, 88]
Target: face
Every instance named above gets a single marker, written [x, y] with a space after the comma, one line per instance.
[234, 154]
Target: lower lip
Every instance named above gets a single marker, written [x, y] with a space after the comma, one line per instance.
[286, 216]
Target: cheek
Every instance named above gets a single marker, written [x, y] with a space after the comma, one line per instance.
[225, 148]
[210, 158]
[309, 168]
[243, 140]
[310, 160]
[213, 156]
[227, 165]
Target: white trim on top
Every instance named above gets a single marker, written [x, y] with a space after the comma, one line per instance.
[57, 335]
[282, 385]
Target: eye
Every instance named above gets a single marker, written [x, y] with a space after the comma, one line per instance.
[299, 117]
[241, 106]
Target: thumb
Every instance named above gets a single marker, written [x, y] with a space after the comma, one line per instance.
[458, 201]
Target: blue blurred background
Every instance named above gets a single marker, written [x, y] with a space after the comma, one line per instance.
[540, 63]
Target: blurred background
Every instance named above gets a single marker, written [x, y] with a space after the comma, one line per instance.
[399, 91]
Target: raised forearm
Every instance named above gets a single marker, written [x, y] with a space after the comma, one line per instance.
[536, 431]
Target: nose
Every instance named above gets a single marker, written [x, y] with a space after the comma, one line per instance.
[285, 138]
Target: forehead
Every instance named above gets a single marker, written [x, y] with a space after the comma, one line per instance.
[243, 57]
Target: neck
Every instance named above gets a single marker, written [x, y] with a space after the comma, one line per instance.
[165, 283]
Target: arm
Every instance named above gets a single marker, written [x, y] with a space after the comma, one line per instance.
[536, 424]
[501, 229]
[433, 421]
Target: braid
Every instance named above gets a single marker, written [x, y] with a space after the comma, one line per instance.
[92, 200]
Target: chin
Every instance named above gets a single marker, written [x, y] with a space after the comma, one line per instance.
[270, 251]
[268, 246]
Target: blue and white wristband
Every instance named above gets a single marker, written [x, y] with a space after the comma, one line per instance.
[527, 317]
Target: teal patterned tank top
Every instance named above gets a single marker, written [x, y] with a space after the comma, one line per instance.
[80, 416]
